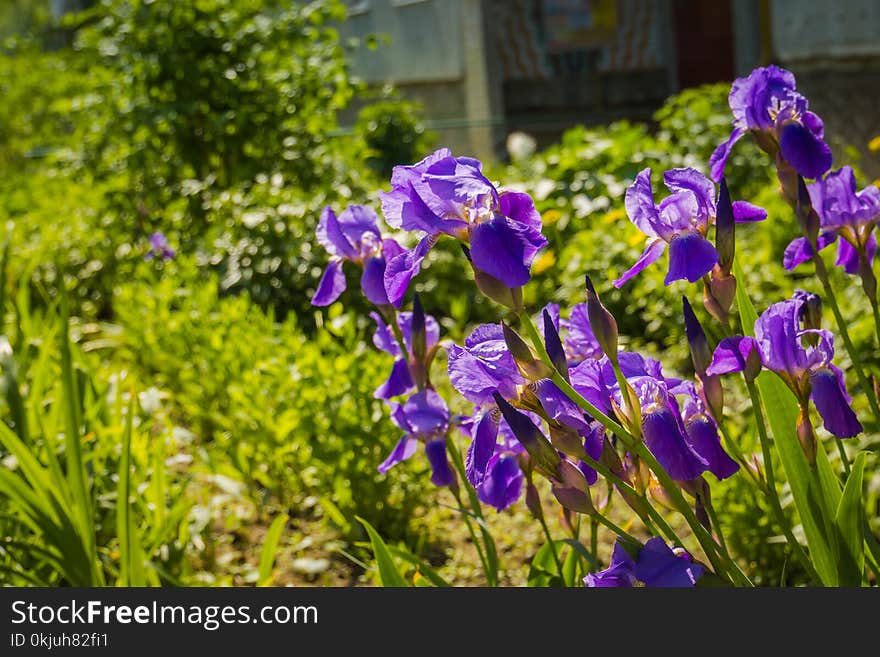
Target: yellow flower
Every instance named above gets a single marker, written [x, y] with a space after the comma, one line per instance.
[543, 262]
[551, 217]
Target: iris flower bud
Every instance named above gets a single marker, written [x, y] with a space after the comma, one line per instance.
[545, 458]
[725, 230]
[602, 322]
[571, 489]
[529, 365]
[807, 216]
[554, 346]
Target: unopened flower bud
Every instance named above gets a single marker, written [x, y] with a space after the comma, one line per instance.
[701, 355]
[529, 365]
[554, 346]
[571, 489]
[725, 230]
[811, 309]
[509, 297]
[602, 323]
[806, 435]
[418, 338]
[719, 293]
[533, 501]
[541, 452]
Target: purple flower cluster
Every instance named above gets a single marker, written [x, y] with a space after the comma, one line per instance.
[655, 565]
[767, 105]
[160, 248]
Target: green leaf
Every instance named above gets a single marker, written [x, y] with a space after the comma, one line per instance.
[270, 549]
[849, 520]
[423, 567]
[781, 408]
[542, 571]
[388, 573]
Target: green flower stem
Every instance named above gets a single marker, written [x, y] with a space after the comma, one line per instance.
[620, 531]
[771, 491]
[484, 551]
[551, 543]
[831, 300]
[707, 542]
[713, 518]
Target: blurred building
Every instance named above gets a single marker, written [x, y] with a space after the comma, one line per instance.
[484, 68]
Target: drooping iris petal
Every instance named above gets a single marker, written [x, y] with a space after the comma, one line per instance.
[502, 485]
[658, 566]
[373, 281]
[399, 381]
[691, 256]
[745, 212]
[593, 440]
[426, 413]
[401, 452]
[441, 473]
[400, 269]
[702, 434]
[807, 153]
[558, 406]
[829, 396]
[799, 250]
[848, 257]
[640, 207]
[663, 437]
[331, 285]
[505, 249]
[484, 435]
[620, 572]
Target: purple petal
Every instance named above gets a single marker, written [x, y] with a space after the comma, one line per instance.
[663, 437]
[401, 452]
[640, 207]
[649, 256]
[504, 249]
[331, 285]
[472, 378]
[484, 435]
[580, 342]
[331, 237]
[658, 566]
[691, 256]
[732, 355]
[702, 434]
[745, 212]
[799, 250]
[719, 157]
[373, 281]
[399, 381]
[520, 207]
[383, 338]
[830, 397]
[691, 180]
[401, 268]
[441, 473]
[848, 257]
[620, 573]
[356, 221]
[502, 485]
[426, 413]
[558, 406]
[808, 154]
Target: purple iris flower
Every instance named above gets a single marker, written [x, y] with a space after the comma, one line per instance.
[767, 105]
[424, 417]
[446, 195]
[492, 465]
[160, 247]
[701, 433]
[845, 215]
[580, 341]
[805, 368]
[400, 381]
[681, 221]
[354, 236]
[656, 566]
[484, 365]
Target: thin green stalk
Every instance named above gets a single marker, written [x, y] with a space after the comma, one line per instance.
[551, 543]
[713, 518]
[843, 457]
[485, 548]
[707, 542]
[620, 531]
[831, 300]
[594, 536]
[772, 494]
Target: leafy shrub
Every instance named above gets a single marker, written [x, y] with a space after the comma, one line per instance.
[295, 418]
[394, 133]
